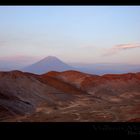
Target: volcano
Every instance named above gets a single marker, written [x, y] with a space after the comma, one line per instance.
[47, 64]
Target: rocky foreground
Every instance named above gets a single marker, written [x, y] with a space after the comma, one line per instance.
[69, 96]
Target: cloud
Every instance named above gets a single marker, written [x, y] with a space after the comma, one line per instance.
[127, 46]
[121, 47]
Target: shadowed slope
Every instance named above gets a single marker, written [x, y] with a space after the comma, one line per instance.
[23, 93]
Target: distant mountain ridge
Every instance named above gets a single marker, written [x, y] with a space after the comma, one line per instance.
[50, 63]
[107, 68]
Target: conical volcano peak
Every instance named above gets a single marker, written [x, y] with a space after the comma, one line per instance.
[50, 58]
[49, 63]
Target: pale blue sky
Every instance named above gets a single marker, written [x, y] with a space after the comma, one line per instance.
[72, 33]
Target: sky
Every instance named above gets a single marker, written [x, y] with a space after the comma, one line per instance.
[88, 34]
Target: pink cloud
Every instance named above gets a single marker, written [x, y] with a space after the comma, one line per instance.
[127, 46]
[120, 47]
